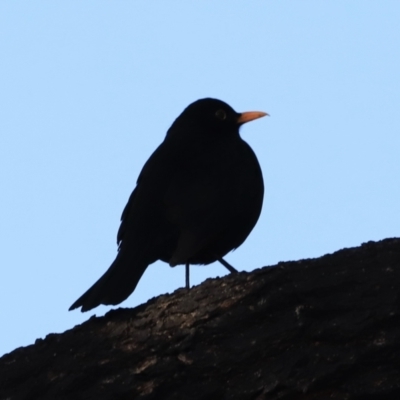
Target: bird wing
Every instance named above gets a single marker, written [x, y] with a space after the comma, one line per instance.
[124, 217]
[143, 223]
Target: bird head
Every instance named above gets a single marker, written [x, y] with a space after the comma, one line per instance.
[214, 116]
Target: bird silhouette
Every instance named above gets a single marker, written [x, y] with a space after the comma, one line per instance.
[198, 197]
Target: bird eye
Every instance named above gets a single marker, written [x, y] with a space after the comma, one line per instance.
[221, 114]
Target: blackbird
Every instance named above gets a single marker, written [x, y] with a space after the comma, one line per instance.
[197, 198]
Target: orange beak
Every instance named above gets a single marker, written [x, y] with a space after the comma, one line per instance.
[250, 116]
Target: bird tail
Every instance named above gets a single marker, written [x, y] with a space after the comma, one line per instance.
[117, 283]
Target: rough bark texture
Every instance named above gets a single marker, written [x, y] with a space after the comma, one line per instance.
[326, 328]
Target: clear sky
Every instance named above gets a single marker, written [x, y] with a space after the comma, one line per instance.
[89, 89]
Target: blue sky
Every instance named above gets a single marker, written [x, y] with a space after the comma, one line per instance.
[88, 90]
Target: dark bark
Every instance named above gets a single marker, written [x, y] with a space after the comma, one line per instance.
[326, 328]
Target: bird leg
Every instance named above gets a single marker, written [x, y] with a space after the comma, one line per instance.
[228, 266]
[187, 276]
